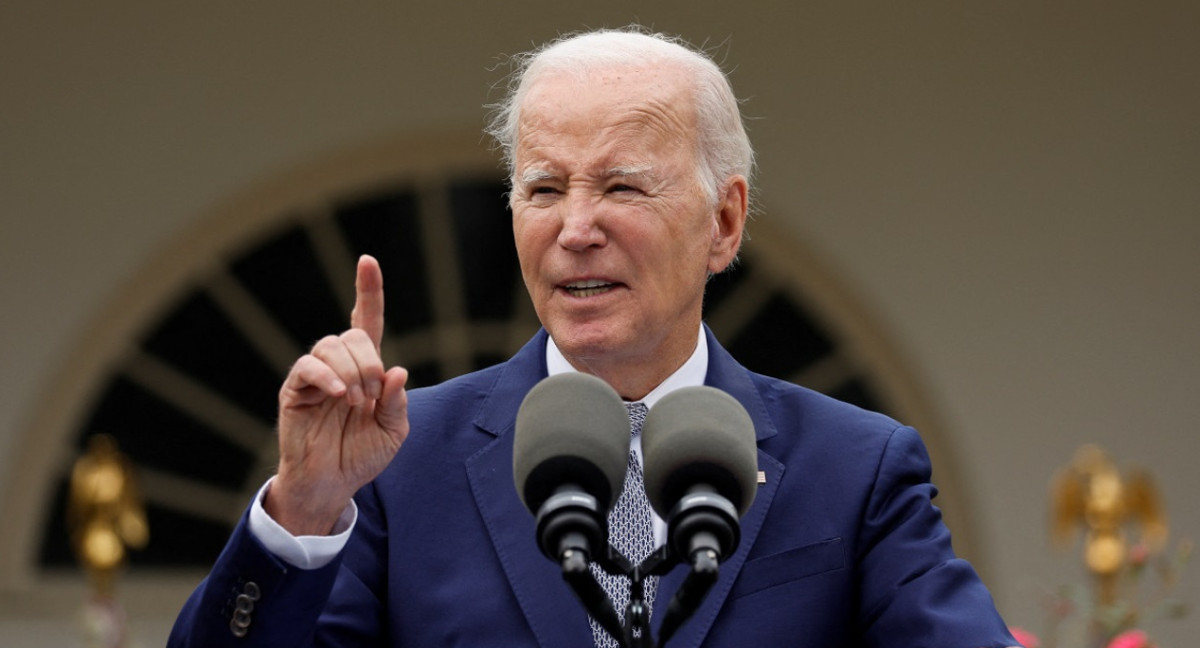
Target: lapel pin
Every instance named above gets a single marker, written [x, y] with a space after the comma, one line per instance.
[762, 477]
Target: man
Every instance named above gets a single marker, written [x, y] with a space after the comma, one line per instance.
[630, 188]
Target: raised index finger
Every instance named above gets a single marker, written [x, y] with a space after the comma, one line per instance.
[368, 302]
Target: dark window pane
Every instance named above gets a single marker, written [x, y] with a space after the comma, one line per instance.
[489, 269]
[284, 277]
[857, 392]
[780, 339]
[388, 228]
[154, 433]
[722, 285]
[198, 339]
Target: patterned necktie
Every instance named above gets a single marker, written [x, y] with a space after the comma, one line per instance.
[630, 531]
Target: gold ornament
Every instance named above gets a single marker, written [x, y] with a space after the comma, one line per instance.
[1090, 492]
[104, 512]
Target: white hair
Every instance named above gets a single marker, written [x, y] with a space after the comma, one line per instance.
[722, 147]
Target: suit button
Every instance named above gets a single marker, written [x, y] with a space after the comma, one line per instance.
[239, 626]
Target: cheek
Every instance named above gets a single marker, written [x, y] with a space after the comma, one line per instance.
[532, 236]
[523, 229]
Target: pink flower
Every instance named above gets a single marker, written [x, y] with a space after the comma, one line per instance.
[1131, 639]
[1139, 554]
[1026, 638]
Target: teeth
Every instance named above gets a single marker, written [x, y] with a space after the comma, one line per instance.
[588, 292]
[590, 283]
[588, 288]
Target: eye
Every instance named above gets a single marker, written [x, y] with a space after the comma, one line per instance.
[622, 188]
[543, 190]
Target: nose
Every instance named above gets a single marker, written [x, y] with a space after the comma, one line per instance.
[582, 225]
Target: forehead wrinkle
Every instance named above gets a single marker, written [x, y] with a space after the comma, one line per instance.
[657, 117]
[667, 117]
[659, 120]
[654, 127]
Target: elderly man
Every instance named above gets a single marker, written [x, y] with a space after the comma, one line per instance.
[393, 519]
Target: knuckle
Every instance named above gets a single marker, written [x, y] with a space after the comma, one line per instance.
[353, 335]
[324, 344]
[304, 364]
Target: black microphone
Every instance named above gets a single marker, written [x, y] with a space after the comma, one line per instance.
[570, 452]
[701, 470]
[699, 453]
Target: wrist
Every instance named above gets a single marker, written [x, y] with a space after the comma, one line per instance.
[303, 512]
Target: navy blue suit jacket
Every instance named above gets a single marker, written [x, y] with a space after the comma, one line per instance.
[842, 546]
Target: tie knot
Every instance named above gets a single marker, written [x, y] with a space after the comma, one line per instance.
[637, 416]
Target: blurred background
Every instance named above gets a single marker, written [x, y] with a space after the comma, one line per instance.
[987, 214]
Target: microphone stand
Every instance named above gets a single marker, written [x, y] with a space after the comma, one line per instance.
[702, 526]
[635, 631]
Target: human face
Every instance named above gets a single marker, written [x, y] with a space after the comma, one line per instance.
[614, 231]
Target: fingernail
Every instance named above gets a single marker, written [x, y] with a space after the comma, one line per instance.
[376, 388]
[355, 395]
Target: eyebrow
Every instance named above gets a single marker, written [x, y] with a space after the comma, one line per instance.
[625, 171]
[639, 171]
[535, 175]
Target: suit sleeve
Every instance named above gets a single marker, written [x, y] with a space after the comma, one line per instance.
[252, 598]
[913, 586]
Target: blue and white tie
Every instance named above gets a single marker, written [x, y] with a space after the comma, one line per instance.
[630, 531]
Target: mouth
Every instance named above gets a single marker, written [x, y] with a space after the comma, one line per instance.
[588, 287]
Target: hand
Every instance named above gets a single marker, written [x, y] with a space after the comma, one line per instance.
[341, 417]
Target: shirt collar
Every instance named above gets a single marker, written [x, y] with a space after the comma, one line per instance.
[691, 374]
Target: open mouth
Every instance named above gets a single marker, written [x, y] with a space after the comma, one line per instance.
[588, 288]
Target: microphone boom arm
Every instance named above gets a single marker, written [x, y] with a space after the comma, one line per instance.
[579, 577]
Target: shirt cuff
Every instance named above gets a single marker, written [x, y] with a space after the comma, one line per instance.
[304, 552]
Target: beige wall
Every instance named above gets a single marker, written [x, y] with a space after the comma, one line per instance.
[1012, 188]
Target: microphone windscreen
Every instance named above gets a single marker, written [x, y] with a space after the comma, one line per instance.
[571, 428]
[699, 435]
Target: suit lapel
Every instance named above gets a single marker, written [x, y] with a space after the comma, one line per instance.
[554, 615]
[726, 374]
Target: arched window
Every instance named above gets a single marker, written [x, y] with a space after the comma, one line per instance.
[183, 369]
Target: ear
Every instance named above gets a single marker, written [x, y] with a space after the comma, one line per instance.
[729, 221]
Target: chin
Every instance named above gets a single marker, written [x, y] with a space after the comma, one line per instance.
[583, 347]
[589, 342]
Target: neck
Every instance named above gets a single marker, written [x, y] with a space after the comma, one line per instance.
[632, 383]
[635, 376]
